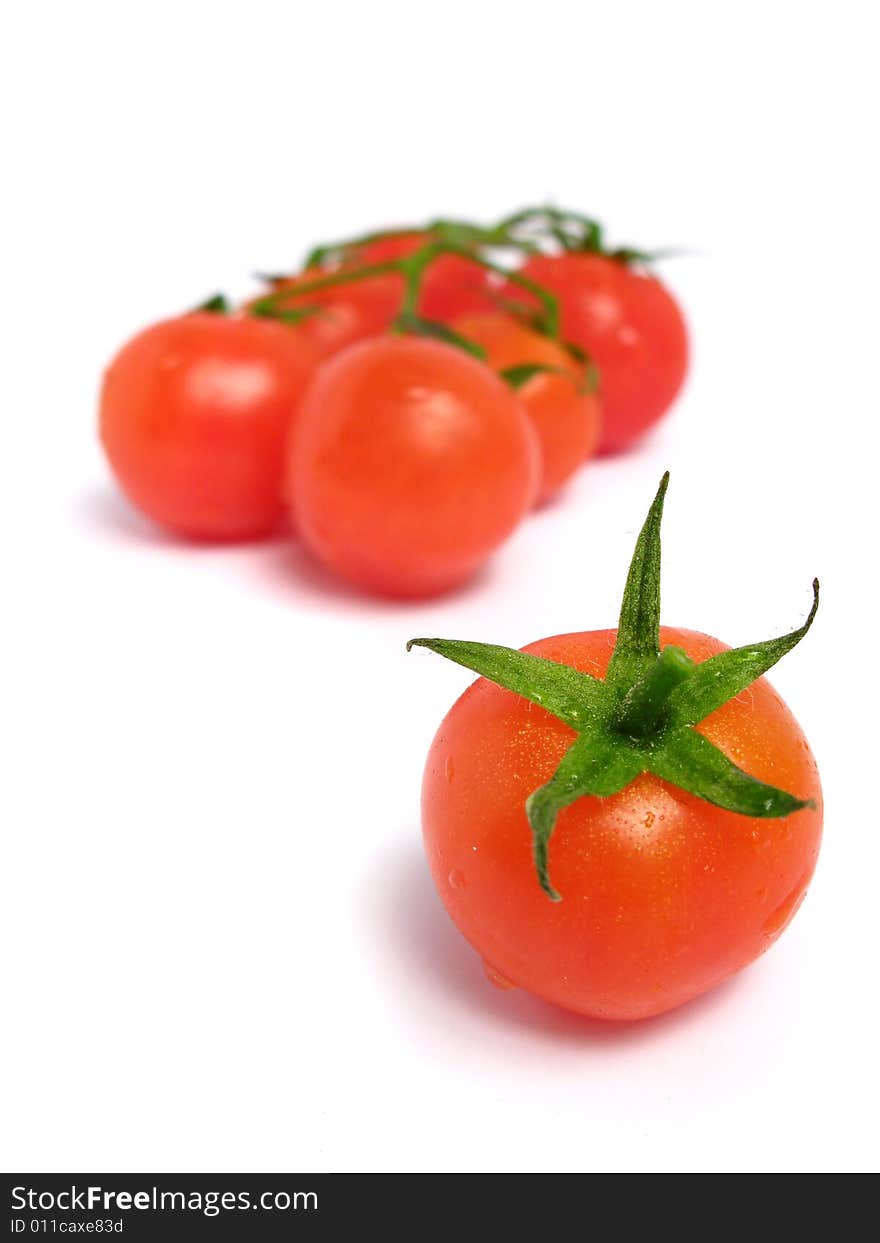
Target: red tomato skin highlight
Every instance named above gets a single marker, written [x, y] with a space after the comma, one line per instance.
[664, 896]
[567, 419]
[411, 462]
[194, 418]
[630, 325]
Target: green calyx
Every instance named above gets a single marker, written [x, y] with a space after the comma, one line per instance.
[571, 232]
[463, 234]
[217, 304]
[640, 718]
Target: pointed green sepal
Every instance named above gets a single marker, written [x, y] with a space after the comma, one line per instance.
[638, 630]
[593, 765]
[217, 304]
[517, 376]
[567, 693]
[722, 677]
[693, 763]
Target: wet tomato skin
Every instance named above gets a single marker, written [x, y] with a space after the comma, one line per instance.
[410, 463]
[194, 417]
[664, 895]
[633, 328]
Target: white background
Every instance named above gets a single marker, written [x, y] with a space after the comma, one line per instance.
[222, 950]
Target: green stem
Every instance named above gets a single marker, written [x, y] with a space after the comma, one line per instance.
[549, 301]
[643, 706]
[331, 250]
[496, 236]
[453, 232]
[415, 265]
[571, 230]
[268, 305]
[412, 268]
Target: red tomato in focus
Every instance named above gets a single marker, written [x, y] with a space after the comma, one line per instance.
[632, 327]
[194, 417]
[566, 418]
[411, 462]
[664, 895]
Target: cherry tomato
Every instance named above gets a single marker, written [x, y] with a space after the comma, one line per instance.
[631, 325]
[566, 417]
[194, 417]
[410, 463]
[665, 895]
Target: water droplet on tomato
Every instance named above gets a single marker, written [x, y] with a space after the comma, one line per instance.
[456, 879]
[779, 919]
[496, 978]
[450, 769]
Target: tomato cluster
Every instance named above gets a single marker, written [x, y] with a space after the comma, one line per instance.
[403, 400]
